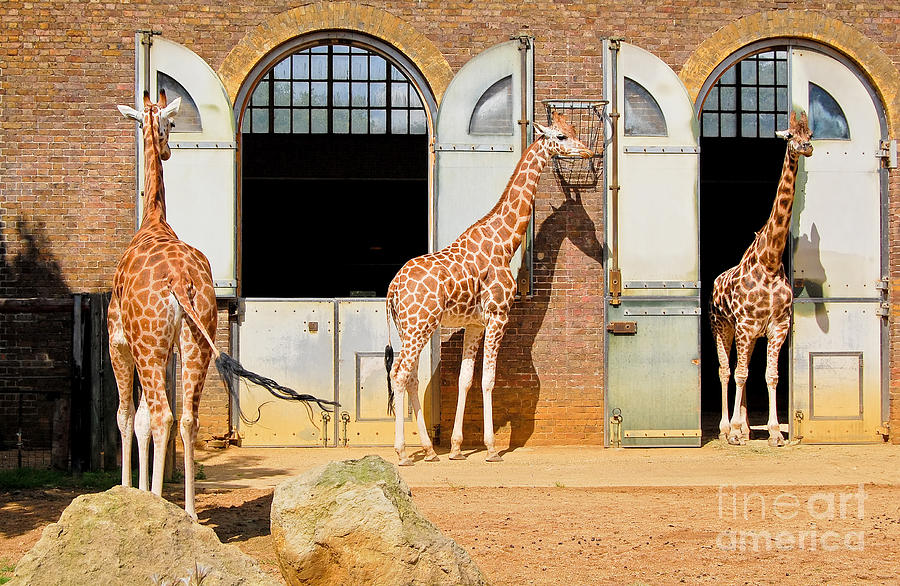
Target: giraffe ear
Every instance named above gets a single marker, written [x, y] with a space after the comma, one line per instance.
[172, 109]
[785, 134]
[129, 112]
[541, 130]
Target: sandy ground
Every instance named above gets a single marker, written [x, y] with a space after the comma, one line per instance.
[797, 515]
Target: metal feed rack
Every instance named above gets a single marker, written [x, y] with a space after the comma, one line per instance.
[587, 116]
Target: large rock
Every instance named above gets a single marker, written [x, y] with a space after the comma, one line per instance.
[129, 536]
[353, 522]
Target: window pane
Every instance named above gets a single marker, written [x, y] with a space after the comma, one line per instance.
[748, 125]
[340, 121]
[359, 121]
[397, 75]
[360, 94]
[261, 94]
[282, 93]
[728, 98]
[399, 95]
[245, 123]
[781, 122]
[377, 67]
[282, 120]
[414, 100]
[319, 67]
[377, 122]
[748, 99]
[728, 77]
[318, 94]
[712, 99]
[748, 71]
[189, 114]
[767, 99]
[377, 95]
[340, 49]
[340, 94]
[781, 72]
[301, 121]
[260, 120]
[766, 125]
[826, 119]
[282, 70]
[781, 99]
[301, 93]
[358, 68]
[399, 122]
[728, 126]
[710, 124]
[417, 124]
[319, 121]
[493, 113]
[643, 116]
[301, 66]
[767, 73]
[341, 67]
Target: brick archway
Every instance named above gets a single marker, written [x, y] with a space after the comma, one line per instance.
[870, 59]
[346, 16]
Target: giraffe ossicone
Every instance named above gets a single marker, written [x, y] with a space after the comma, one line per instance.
[163, 296]
[754, 298]
[468, 284]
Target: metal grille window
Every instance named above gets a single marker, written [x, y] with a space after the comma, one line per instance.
[335, 89]
[750, 100]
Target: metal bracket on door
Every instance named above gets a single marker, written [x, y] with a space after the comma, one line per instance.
[622, 327]
[615, 428]
[345, 421]
[887, 152]
[326, 417]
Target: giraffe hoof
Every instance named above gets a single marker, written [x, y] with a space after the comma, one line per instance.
[776, 440]
[432, 457]
[405, 462]
[735, 440]
[493, 458]
[456, 456]
[723, 436]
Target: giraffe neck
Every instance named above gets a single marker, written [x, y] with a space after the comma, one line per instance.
[509, 218]
[772, 238]
[154, 188]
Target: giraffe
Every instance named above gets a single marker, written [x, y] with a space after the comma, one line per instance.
[163, 294]
[468, 284]
[754, 298]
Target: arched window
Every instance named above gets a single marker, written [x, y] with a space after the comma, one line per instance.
[643, 116]
[826, 119]
[493, 113]
[188, 113]
[335, 89]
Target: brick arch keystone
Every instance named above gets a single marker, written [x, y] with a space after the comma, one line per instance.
[815, 26]
[347, 16]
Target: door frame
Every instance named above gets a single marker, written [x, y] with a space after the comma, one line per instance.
[881, 112]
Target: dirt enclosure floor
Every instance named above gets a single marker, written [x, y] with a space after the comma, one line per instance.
[717, 514]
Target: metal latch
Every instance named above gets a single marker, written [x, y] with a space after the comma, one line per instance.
[345, 421]
[326, 417]
[615, 286]
[887, 152]
[615, 428]
[798, 426]
[622, 327]
[313, 327]
[884, 430]
[884, 309]
[524, 282]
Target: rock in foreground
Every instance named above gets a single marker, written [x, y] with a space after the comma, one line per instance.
[353, 522]
[129, 536]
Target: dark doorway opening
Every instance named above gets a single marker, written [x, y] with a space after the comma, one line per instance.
[331, 216]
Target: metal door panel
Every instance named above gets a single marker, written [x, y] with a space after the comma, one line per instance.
[362, 388]
[473, 170]
[655, 373]
[291, 342]
[653, 376]
[838, 264]
[200, 175]
[836, 381]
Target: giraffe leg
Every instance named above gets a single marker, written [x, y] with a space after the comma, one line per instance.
[195, 357]
[776, 340]
[154, 417]
[402, 375]
[413, 390]
[739, 418]
[724, 333]
[471, 340]
[123, 369]
[142, 431]
[492, 338]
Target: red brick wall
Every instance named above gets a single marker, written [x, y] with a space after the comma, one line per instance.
[67, 183]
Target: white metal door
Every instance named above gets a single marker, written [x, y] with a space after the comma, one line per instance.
[479, 137]
[652, 358]
[838, 259]
[288, 341]
[200, 175]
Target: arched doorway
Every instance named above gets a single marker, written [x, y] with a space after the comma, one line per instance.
[335, 195]
[832, 372]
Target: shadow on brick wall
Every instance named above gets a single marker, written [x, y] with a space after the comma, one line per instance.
[35, 344]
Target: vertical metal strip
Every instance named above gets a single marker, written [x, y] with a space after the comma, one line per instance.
[336, 346]
[526, 45]
[137, 129]
[615, 274]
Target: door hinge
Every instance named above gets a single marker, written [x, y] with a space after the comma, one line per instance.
[887, 152]
[884, 430]
[622, 327]
[884, 310]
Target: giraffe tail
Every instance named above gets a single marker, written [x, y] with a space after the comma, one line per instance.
[389, 356]
[229, 368]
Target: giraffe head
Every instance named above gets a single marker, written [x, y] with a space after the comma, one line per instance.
[157, 119]
[560, 138]
[798, 135]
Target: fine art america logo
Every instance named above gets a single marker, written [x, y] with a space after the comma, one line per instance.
[737, 505]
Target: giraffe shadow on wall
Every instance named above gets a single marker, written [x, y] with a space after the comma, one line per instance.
[518, 382]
